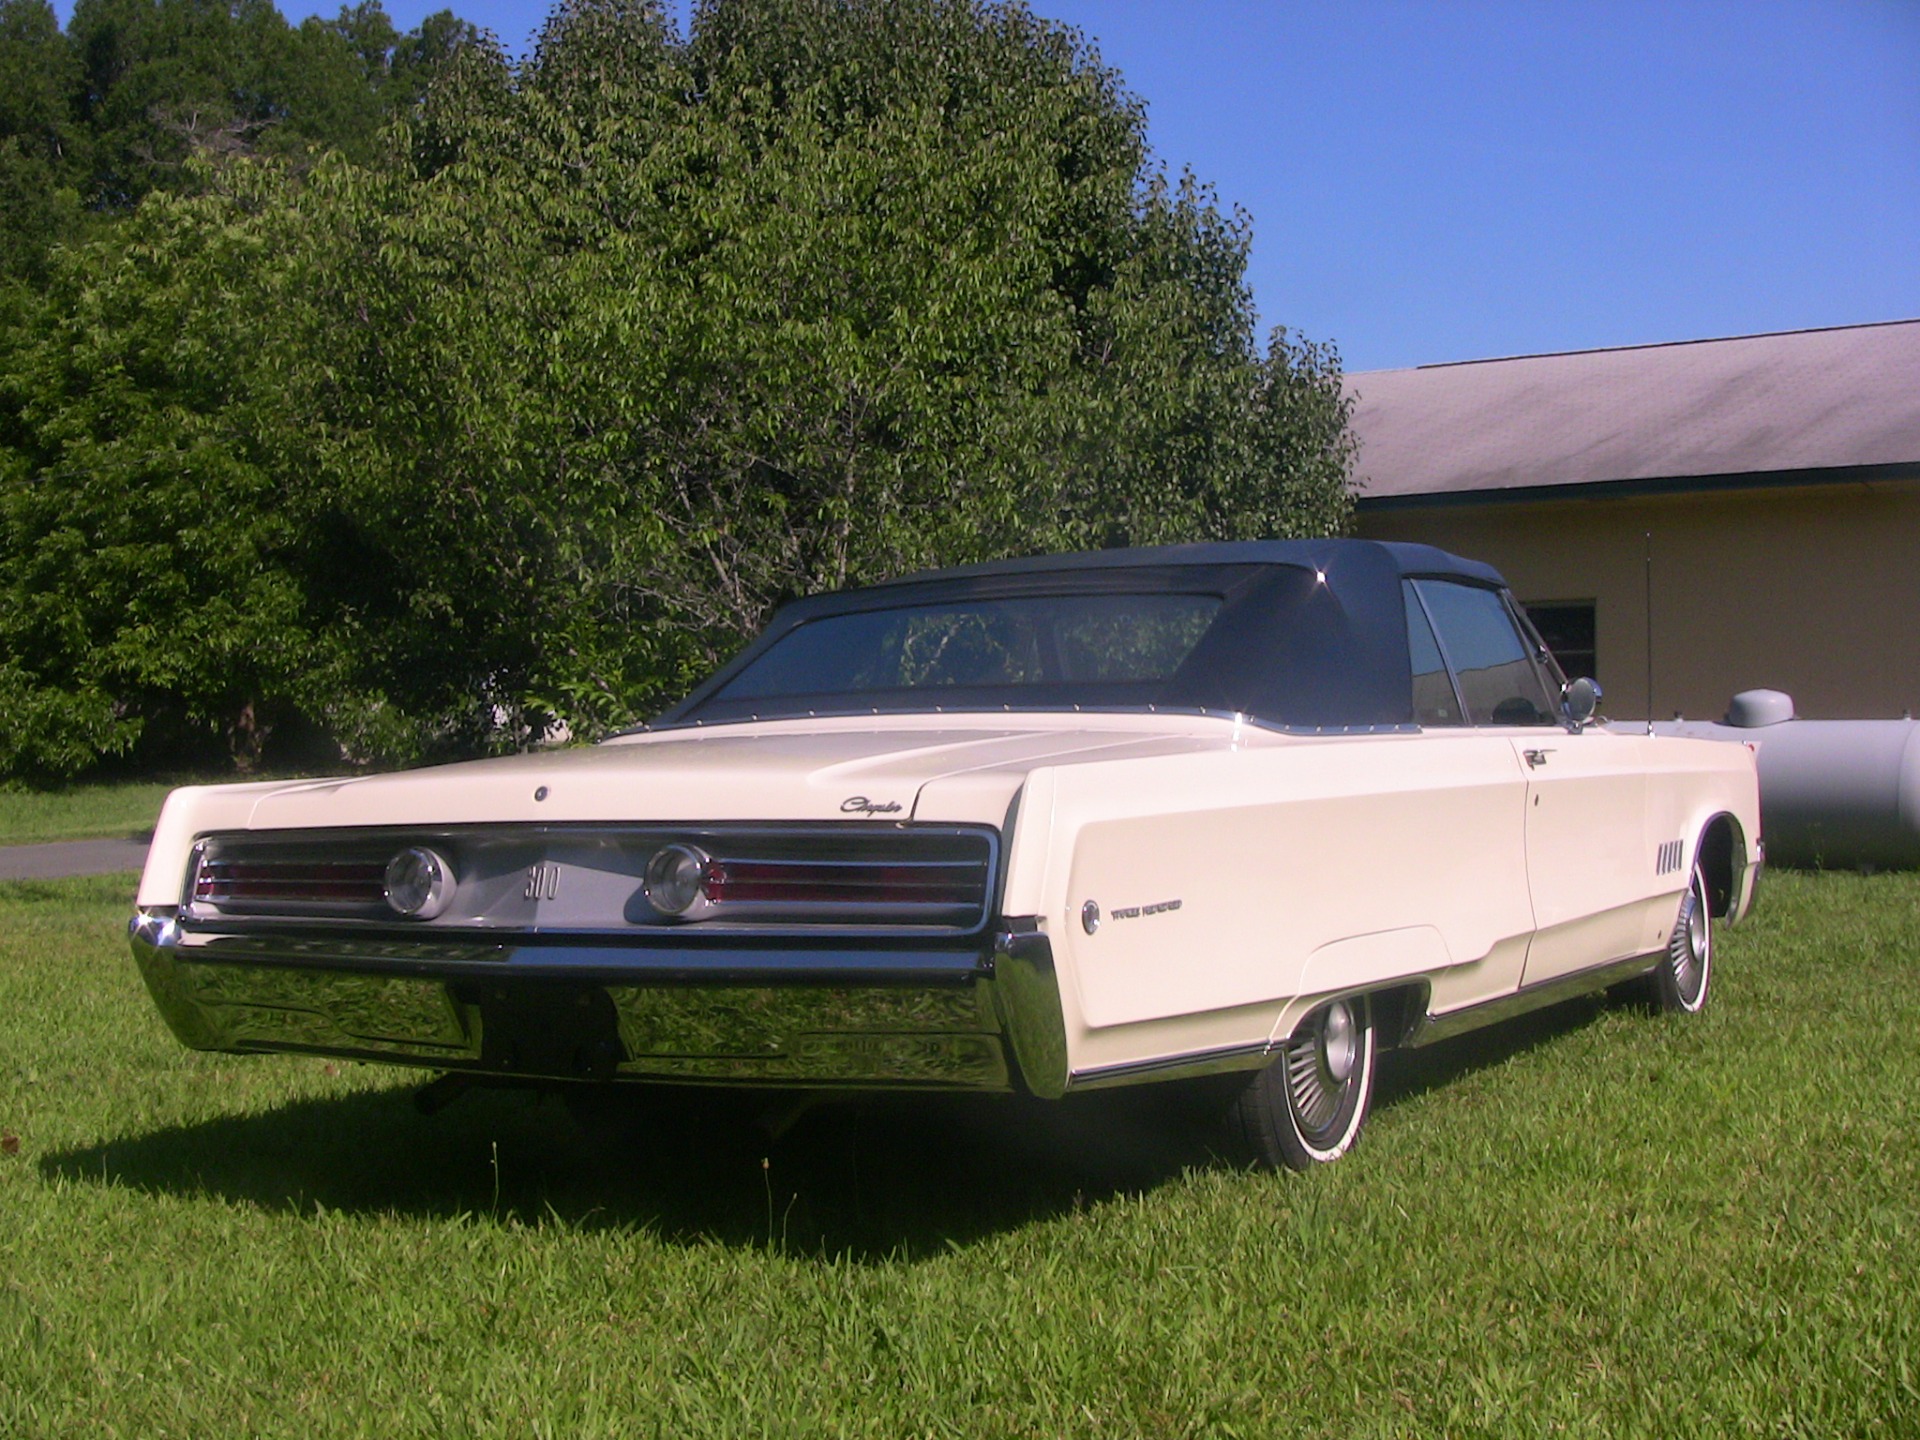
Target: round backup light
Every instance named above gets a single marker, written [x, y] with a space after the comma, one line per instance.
[675, 876]
[419, 883]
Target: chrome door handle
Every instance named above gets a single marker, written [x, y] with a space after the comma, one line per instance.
[1536, 758]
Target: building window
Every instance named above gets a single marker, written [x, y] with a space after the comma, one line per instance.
[1567, 627]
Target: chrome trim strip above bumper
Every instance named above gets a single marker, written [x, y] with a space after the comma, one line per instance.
[605, 964]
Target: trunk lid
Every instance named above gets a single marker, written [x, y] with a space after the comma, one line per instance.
[811, 770]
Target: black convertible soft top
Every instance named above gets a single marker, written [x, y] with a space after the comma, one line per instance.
[1325, 555]
[1307, 634]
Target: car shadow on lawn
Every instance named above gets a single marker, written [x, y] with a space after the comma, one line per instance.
[869, 1179]
[1407, 1074]
[897, 1177]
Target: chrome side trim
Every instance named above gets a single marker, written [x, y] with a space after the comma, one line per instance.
[1175, 1067]
[1534, 997]
[1425, 1030]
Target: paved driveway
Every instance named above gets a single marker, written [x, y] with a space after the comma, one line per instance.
[70, 857]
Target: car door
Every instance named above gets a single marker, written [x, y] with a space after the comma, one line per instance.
[1585, 813]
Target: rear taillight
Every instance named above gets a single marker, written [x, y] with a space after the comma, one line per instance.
[807, 882]
[594, 878]
[231, 884]
[677, 879]
[901, 878]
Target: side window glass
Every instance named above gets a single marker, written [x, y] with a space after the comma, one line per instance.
[1499, 683]
[1434, 702]
[1566, 628]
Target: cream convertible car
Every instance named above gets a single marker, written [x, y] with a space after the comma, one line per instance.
[1041, 825]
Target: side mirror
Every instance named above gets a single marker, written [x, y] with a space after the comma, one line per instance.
[1579, 700]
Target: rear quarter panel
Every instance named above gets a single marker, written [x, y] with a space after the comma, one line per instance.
[1237, 885]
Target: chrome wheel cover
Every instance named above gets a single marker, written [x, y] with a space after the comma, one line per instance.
[1690, 947]
[1321, 1061]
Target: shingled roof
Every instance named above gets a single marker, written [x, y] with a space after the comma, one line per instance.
[1805, 405]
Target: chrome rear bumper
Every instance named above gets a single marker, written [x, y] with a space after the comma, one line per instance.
[889, 1015]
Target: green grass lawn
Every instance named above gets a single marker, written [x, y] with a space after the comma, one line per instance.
[1590, 1222]
[81, 812]
[121, 809]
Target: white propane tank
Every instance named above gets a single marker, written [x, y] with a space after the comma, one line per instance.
[1835, 793]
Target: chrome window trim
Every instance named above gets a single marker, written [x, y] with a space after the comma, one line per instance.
[1408, 587]
[1196, 712]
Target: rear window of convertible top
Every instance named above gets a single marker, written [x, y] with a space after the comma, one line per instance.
[1032, 650]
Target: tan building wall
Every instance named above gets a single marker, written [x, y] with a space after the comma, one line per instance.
[1814, 590]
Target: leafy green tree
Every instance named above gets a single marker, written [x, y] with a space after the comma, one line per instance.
[641, 338]
[141, 594]
[43, 152]
[164, 80]
[355, 73]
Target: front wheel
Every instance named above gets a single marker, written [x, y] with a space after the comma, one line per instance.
[1307, 1107]
[1681, 978]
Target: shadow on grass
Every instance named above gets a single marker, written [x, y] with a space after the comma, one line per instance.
[1408, 1074]
[869, 1179]
[910, 1177]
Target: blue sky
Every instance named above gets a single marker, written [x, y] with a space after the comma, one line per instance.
[1440, 180]
[1435, 180]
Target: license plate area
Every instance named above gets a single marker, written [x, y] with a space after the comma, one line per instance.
[544, 1028]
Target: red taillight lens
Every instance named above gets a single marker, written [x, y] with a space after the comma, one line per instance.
[802, 882]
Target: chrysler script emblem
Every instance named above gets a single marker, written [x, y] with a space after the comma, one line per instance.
[861, 805]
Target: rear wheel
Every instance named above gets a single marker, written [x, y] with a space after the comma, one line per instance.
[1307, 1107]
